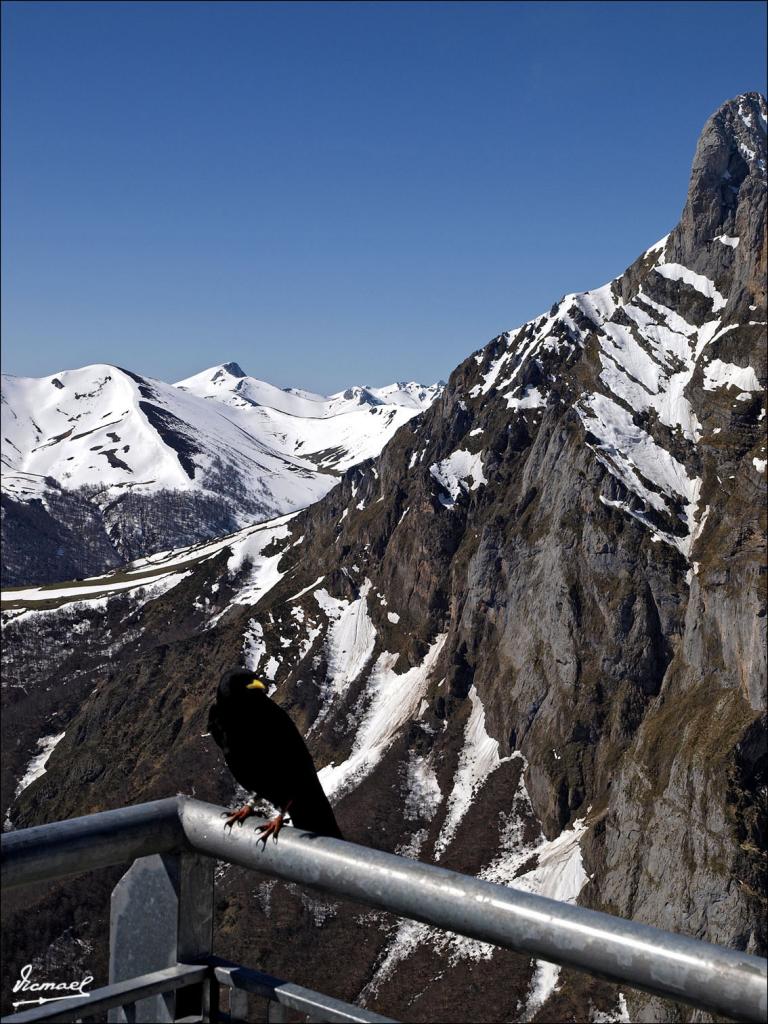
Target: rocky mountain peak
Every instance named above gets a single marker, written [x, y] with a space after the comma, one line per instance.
[361, 395]
[721, 233]
[731, 146]
[740, 122]
[231, 369]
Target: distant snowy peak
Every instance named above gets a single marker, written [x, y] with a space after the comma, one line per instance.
[329, 432]
[409, 394]
[233, 369]
[220, 433]
[229, 383]
[101, 425]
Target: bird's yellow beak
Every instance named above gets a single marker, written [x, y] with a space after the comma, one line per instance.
[256, 685]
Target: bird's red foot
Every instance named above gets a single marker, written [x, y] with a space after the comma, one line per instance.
[239, 816]
[271, 828]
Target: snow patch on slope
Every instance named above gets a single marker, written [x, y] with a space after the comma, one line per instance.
[718, 374]
[388, 702]
[702, 284]
[87, 591]
[631, 455]
[618, 1016]
[254, 647]
[531, 398]
[478, 759]
[454, 473]
[349, 643]
[422, 790]
[262, 573]
[36, 767]
[559, 875]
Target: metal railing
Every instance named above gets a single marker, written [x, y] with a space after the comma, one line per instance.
[174, 843]
[207, 979]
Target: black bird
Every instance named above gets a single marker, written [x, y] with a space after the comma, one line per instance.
[266, 754]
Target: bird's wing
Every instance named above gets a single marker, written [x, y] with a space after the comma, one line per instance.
[310, 808]
[216, 729]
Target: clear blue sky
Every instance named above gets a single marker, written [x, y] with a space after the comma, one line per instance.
[338, 193]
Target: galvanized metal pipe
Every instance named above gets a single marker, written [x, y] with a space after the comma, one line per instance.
[295, 997]
[704, 975]
[48, 852]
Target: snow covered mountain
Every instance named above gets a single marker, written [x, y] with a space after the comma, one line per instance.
[526, 641]
[331, 432]
[108, 465]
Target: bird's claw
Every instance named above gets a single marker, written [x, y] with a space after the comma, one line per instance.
[271, 828]
[238, 816]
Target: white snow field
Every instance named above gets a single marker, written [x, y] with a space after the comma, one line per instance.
[279, 450]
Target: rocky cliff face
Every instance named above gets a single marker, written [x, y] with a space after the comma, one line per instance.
[527, 641]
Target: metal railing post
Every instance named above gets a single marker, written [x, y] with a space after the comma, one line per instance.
[275, 1013]
[161, 915]
[238, 1006]
[211, 1006]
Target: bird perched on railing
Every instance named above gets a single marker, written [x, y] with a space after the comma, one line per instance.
[267, 756]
